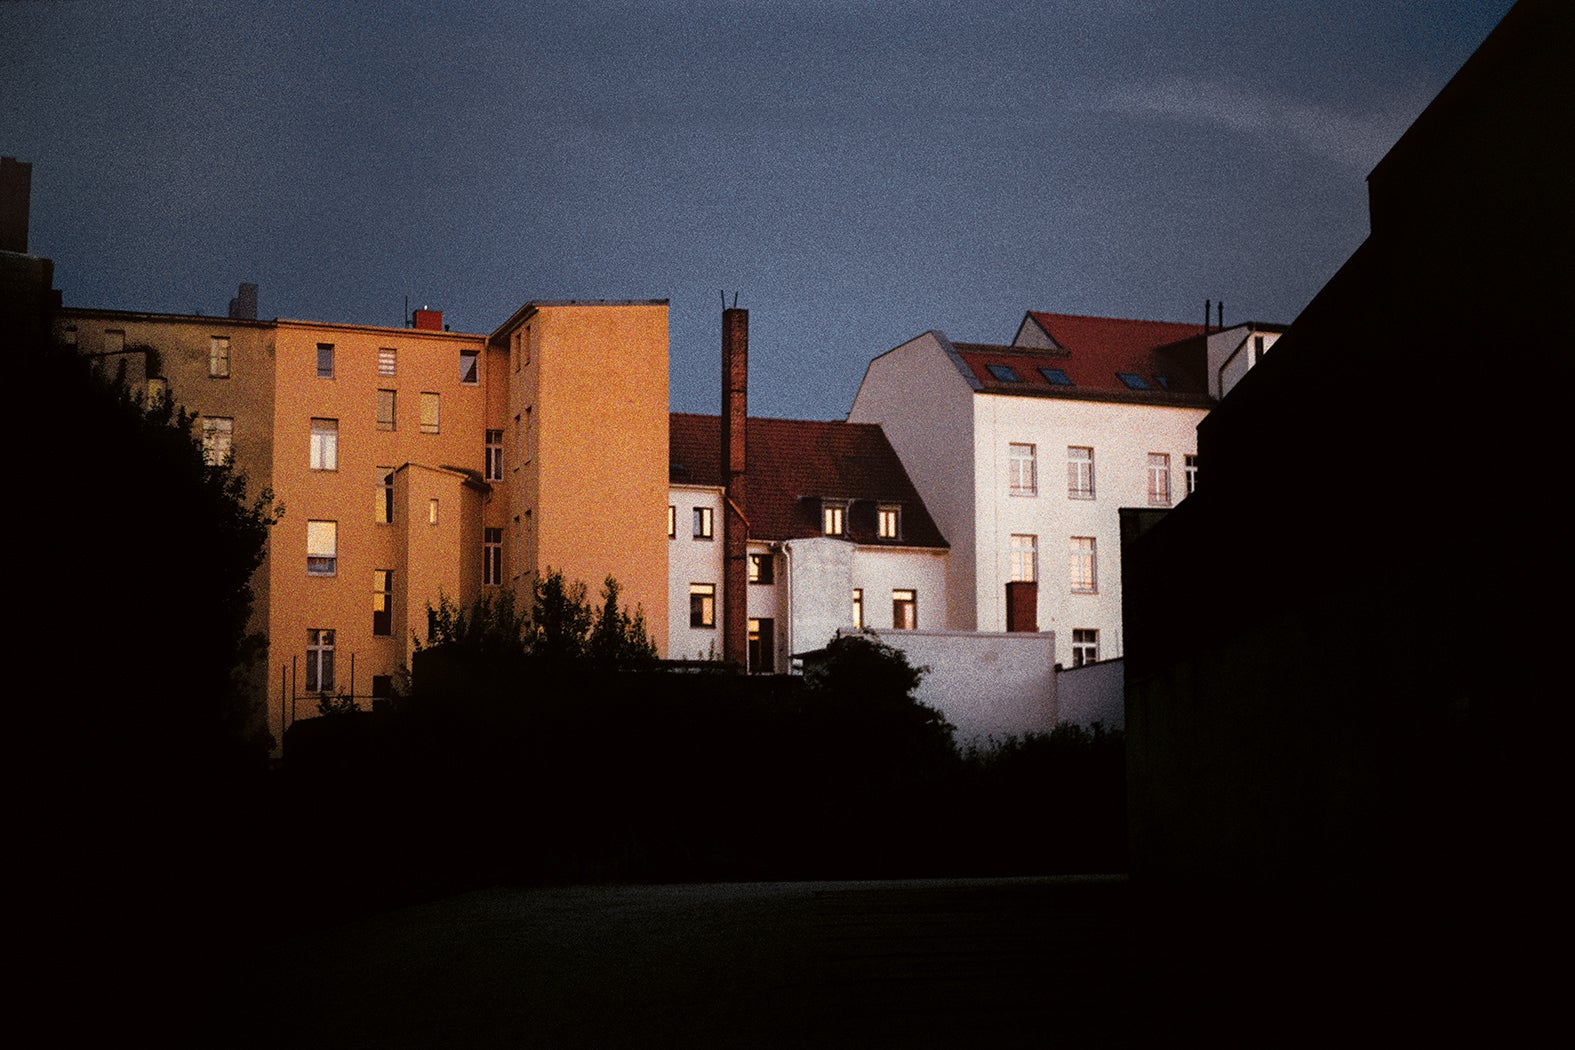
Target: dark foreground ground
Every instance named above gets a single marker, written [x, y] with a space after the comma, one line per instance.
[1078, 961]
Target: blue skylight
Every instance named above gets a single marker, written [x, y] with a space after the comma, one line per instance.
[1163, 381]
[1133, 380]
[1004, 373]
[1056, 376]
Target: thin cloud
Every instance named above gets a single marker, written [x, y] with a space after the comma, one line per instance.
[1356, 141]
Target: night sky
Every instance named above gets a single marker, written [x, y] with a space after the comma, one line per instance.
[859, 172]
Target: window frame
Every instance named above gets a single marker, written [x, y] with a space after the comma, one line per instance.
[324, 453]
[1023, 558]
[323, 549]
[494, 455]
[433, 401]
[491, 556]
[762, 568]
[672, 521]
[382, 603]
[888, 521]
[704, 523]
[1080, 472]
[217, 432]
[833, 517]
[319, 658]
[702, 606]
[1189, 468]
[325, 360]
[904, 598]
[1083, 565]
[218, 357]
[1159, 479]
[387, 361]
[1085, 646]
[858, 607]
[473, 359]
[1019, 463]
[390, 419]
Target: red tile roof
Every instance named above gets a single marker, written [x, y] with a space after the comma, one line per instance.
[1092, 351]
[793, 463]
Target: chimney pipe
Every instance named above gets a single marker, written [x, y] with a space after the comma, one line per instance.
[1221, 307]
[1208, 308]
[735, 528]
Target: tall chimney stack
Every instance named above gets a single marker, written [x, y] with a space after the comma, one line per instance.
[16, 197]
[1208, 308]
[735, 527]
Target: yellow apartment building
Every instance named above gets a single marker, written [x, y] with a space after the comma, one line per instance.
[417, 462]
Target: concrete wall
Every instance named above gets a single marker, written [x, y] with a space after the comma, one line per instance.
[986, 684]
[1092, 693]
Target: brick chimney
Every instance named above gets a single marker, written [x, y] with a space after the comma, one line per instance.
[735, 528]
[244, 306]
[16, 196]
[428, 320]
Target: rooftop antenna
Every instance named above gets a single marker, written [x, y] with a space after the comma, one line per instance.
[735, 300]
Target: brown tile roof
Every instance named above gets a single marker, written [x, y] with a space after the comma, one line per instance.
[1168, 356]
[793, 463]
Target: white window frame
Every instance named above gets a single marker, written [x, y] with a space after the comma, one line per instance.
[470, 368]
[1158, 479]
[325, 444]
[1024, 558]
[383, 601]
[492, 557]
[1189, 467]
[704, 523]
[319, 660]
[494, 461]
[387, 361]
[888, 521]
[1085, 646]
[322, 548]
[218, 357]
[702, 606]
[834, 518]
[431, 412]
[1083, 565]
[1022, 477]
[858, 607]
[218, 439]
[1079, 472]
[905, 598]
[672, 522]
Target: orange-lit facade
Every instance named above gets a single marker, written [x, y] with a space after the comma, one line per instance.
[414, 463]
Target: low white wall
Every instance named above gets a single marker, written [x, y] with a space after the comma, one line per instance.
[1093, 693]
[985, 683]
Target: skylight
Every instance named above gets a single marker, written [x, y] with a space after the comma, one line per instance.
[1004, 373]
[1133, 380]
[1163, 381]
[1056, 376]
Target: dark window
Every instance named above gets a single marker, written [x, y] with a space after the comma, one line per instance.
[1133, 380]
[762, 646]
[382, 601]
[1056, 376]
[1004, 373]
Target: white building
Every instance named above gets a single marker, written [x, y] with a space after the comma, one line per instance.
[1024, 454]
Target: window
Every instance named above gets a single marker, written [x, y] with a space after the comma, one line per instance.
[325, 444]
[1163, 381]
[1004, 373]
[325, 360]
[319, 660]
[672, 522]
[762, 568]
[858, 607]
[1085, 646]
[904, 610]
[218, 434]
[1022, 476]
[702, 605]
[494, 455]
[387, 359]
[158, 391]
[1158, 479]
[432, 511]
[469, 367]
[322, 548]
[526, 439]
[1025, 558]
[762, 646]
[515, 349]
[1080, 566]
[1056, 377]
[1133, 380]
[385, 496]
[218, 357]
[429, 412]
[1189, 467]
[833, 518]
[1257, 349]
[525, 345]
[1079, 472]
[492, 557]
[382, 601]
[702, 523]
[385, 410]
[888, 521]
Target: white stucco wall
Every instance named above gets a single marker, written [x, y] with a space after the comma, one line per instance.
[1230, 355]
[925, 406]
[1122, 436]
[693, 561]
[822, 572]
[1092, 693]
[986, 684]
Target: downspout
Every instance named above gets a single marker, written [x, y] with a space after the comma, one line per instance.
[787, 572]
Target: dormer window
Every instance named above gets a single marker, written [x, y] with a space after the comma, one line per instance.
[1056, 376]
[1133, 380]
[1004, 373]
[834, 518]
[888, 521]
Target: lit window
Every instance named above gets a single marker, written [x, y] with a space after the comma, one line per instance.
[1158, 479]
[387, 359]
[1079, 472]
[432, 512]
[385, 410]
[762, 646]
[1056, 377]
[702, 529]
[385, 496]
[325, 444]
[1189, 466]
[858, 607]
[319, 660]
[325, 360]
[672, 522]
[1022, 478]
[492, 557]
[1025, 558]
[158, 391]
[218, 357]
[762, 568]
[322, 548]
[1080, 566]
[430, 405]
[494, 455]
[1133, 380]
[888, 522]
[905, 610]
[702, 605]
[218, 435]
[1085, 646]
[382, 601]
[1004, 373]
[469, 367]
[834, 519]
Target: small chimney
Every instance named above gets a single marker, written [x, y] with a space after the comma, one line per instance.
[16, 196]
[735, 528]
[244, 306]
[1208, 308]
[1220, 306]
[428, 320]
